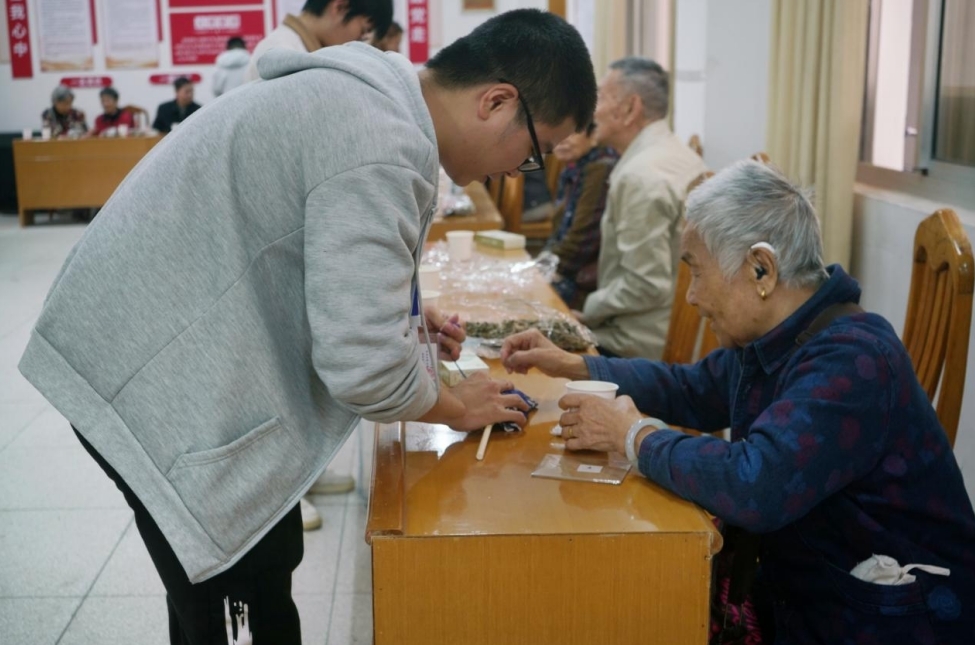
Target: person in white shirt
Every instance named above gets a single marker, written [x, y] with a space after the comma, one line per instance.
[231, 66]
[630, 310]
[323, 23]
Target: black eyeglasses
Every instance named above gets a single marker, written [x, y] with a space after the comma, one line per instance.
[535, 162]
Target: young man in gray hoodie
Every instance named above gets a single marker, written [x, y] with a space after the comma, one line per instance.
[245, 296]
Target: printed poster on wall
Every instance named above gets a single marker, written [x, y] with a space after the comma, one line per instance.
[129, 34]
[64, 35]
[199, 37]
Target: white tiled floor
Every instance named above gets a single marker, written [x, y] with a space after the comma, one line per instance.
[73, 569]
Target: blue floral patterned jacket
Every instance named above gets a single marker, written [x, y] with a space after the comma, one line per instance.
[836, 454]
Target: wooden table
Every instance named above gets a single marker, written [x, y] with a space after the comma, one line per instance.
[73, 173]
[485, 217]
[481, 552]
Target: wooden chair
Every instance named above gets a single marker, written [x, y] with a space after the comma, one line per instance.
[512, 206]
[694, 143]
[939, 313]
[494, 190]
[140, 116]
[689, 338]
[761, 157]
[553, 168]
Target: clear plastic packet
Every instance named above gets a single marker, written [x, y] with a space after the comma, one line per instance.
[599, 468]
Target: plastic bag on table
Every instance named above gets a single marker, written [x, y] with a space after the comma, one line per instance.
[503, 318]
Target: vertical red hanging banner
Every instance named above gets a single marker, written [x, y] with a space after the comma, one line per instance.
[18, 31]
[418, 19]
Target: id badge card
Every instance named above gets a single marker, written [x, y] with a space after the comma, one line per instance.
[421, 334]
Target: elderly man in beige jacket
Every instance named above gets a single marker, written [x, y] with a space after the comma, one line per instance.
[630, 311]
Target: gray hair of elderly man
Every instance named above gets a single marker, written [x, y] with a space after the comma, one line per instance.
[648, 80]
[750, 202]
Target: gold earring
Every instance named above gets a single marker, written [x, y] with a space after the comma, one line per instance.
[763, 293]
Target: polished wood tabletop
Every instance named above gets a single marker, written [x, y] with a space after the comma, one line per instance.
[451, 535]
[73, 173]
[485, 217]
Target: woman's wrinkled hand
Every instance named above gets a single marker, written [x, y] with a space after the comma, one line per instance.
[528, 349]
[593, 423]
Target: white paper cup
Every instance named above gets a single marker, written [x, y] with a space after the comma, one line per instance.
[429, 277]
[27, 134]
[602, 389]
[123, 130]
[430, 297]
[460, 244]
[45, 133]
[111, 132]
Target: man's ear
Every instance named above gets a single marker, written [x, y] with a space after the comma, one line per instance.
[496, 98]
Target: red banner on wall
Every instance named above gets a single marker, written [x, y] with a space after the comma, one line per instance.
[418, 15]
[83, 82]
[212, 3]
[199, 37]
[18, 30]
[169, 79]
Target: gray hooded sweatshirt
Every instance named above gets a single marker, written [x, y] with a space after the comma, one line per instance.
[244, 296]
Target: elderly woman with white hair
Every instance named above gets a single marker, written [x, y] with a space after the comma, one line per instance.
[836, 455]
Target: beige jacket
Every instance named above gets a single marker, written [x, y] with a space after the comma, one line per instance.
[630, 311]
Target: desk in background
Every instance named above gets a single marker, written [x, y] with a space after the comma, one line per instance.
[73, 173]
[482, 553]
[485, 217]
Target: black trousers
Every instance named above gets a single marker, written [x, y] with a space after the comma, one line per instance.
[252, 598]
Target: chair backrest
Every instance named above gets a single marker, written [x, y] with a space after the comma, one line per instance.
[512, 202]
[694, 143]
[688, 337]
[139, 115]
[939, 313]
[553, 168]
[761, 157]
[494, 190]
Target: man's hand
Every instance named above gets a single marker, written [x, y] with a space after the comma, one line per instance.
[484, 402]
[528, 349]
[451, 331]
[593, 423]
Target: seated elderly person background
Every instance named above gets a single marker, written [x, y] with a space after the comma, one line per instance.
[580, 201]
[61, 117]
[836, 452]
[113, 116]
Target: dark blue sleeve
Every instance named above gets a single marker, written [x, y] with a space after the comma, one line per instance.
[826, 428]
[692, 396]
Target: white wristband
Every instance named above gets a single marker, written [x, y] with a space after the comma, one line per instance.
[631, 452]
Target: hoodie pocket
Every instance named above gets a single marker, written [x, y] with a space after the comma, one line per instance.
[233, 490]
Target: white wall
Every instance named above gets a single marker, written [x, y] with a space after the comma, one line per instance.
[736, 77]
[883, 243]
[689, 77]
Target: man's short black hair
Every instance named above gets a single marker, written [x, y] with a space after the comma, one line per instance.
[536, 51]
[181, 82]
[109, 91]
[394, 28]
[380, 12]
[236, 42]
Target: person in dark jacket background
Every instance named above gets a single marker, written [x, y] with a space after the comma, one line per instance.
[836, 458]
[177, 110]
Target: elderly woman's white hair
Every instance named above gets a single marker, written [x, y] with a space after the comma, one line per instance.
[751, 202]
